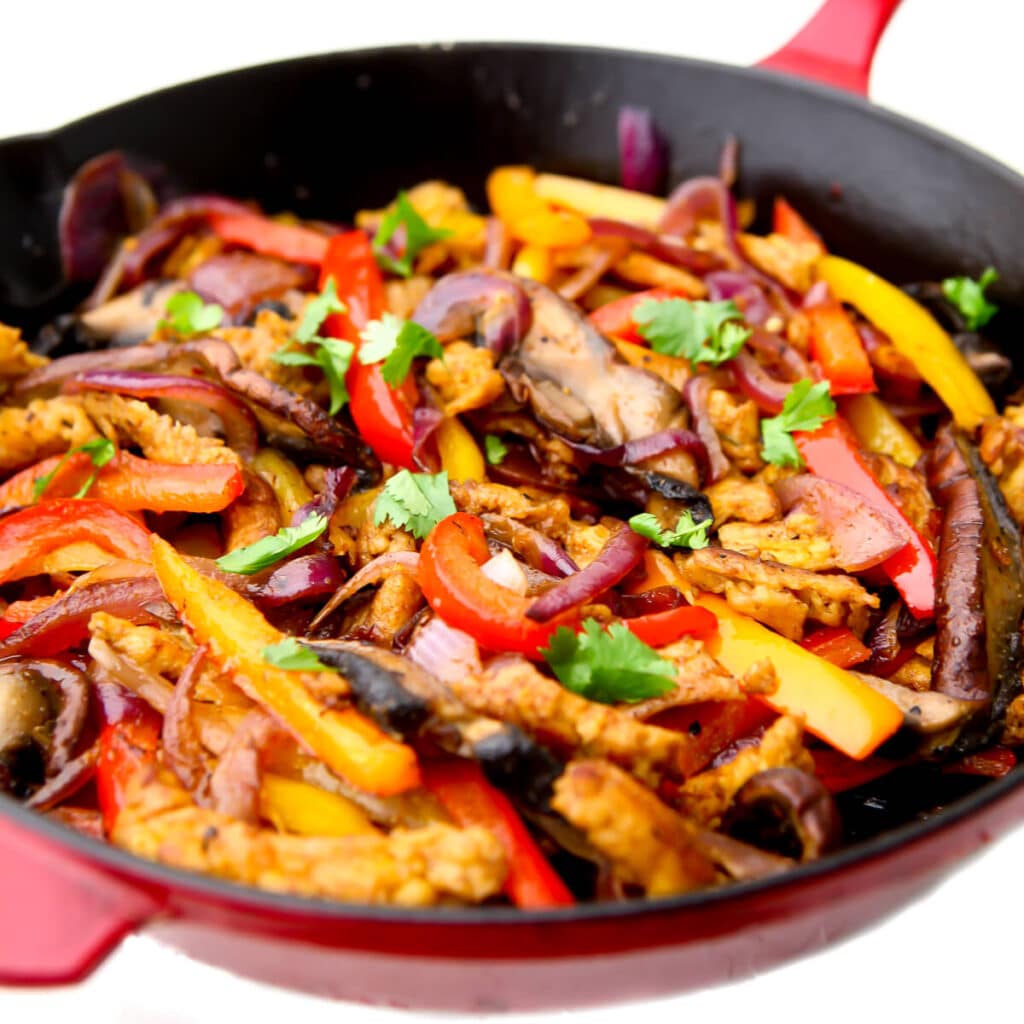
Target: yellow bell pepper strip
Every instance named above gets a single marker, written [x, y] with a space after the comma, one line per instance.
[235, 633]
[835, 705]
[461, 457]
[513, 197]
[915, 333]
[534, 262]
[291, 805]
[878, 430]
[593, 200]
[831, 453]
[288, 483]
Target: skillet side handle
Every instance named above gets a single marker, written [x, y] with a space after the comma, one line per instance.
[837, 46]
[59, 916]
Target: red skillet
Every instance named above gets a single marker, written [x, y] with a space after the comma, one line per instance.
[302, 135]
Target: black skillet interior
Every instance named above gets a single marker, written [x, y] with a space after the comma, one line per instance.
[326, 135]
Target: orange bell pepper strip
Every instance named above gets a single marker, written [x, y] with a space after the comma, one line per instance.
[831, 452]
[131, 484]
[834, 704]
[236, 633]
[28, 536]
[786, 221]
[836, 347]
[261, 234]
[513, 197]
[837, 644]
[915, 333]
[616, 318]
[660, 628]
[456, 588]
[382, 413]
[465, 793]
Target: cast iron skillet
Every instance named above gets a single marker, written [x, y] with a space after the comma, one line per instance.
[899, 197]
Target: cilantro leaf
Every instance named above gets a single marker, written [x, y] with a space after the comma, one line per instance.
[269, 550]
[333, 356]
[687, 533]
[190, 315]
[100, 452]
[416, 502]
[806, 407]
[397, 342]
[418, 235]
[495, 449]
[290, 654]
[608, 665]
[969, 298]
[316, 312]
[702, 332]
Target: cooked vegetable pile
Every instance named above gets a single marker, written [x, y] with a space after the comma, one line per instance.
[592, 547]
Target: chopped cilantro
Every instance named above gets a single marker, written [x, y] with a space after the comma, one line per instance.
[189, 315]
[397, 342]
[687, 533]
[289, 653]
[418, 235]
[269, 550]
[100, 452]
[702, 332]
[969, 298]
[495, 449]
[608, 665]
[416, 502]
[806, 407]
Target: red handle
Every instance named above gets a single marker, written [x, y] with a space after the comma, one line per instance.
[59, 917]
[837, 46]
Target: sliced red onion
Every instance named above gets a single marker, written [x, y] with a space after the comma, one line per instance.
[642, 448]
[425, 421]
[650, 602]
[373, 572]
[238, 281]
[817, 295]
[65, 783]
[65, 622]
[183, 749]
[538, 550]
[488, 304]
[338, 481]
[758, 384]
[622, 553]
[444, 652]
[728, 162]
[498, 245]
[133, 357]
[701, 199]
[861, 535]
[240, 430]
[736, 285]
[780, 353]
[74, 706]
[665, 247]
[301, 579]
[504, 570]
[235, 782]
[695, 393]
[641, 150]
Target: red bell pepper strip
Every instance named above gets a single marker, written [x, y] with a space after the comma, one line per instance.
[837, 644]
[28, 535]
[131, 484]
[716, 726]
[261, 234]
[831, 452]
[7, 627]
[616, 317]
[456, 588]
[838, 773]
[532, 883]
[836, 347]
[660, 628]
[991, 764]
[786, 221]
[129, 738]
[382, 413]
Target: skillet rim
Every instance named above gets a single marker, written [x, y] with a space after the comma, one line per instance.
[137, 869]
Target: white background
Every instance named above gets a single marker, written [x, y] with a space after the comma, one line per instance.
[955, 64]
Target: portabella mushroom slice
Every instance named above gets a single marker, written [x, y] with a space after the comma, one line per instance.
[927, 712]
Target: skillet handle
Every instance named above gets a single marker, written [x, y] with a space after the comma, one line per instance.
[59, 916]
[837, 46]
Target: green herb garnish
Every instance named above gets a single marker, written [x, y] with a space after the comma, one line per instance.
[416, 502]
[702, 332]
[397, 343]
[100, 452]
[969, 298]
[687, 533]
[254, 557]
[806, 407]
[418, 235]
